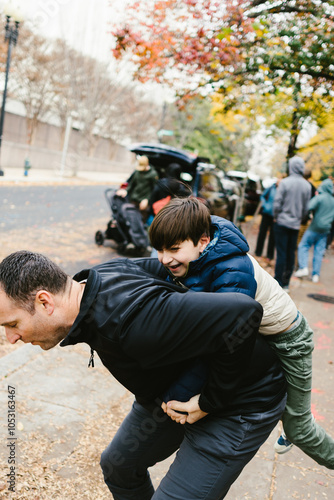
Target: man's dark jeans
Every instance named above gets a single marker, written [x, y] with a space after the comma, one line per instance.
[211, 453]
[286, 244]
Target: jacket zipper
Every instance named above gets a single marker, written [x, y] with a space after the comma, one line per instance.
[91, 359]
[175, 280]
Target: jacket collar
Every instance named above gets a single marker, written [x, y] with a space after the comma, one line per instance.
[76, 334]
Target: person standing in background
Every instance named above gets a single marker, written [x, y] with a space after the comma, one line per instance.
[305, 223]
[290, 208]
[267, 222]
[322, 207]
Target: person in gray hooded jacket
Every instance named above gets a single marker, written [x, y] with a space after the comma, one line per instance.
[322, 208]
[290, 208]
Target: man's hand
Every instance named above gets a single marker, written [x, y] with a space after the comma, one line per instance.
[191, 407]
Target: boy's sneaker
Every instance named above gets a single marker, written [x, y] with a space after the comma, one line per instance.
[315, 278]
[283, 445]
[301, 273]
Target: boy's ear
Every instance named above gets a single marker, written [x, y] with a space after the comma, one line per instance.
[203, 242]
[45, 300]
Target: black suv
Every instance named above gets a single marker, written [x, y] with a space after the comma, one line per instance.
[203, 177]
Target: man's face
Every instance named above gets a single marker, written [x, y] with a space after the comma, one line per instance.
[177, 258]
[37, 329]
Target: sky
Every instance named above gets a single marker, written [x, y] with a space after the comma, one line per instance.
[83, 23]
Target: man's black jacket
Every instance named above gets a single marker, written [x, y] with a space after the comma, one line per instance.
[148, 331]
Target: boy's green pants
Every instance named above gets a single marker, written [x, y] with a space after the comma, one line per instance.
[294, 349]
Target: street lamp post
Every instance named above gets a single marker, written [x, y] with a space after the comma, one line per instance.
[11, 35]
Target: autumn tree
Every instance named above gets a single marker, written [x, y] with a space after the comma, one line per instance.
[139, 109]
[88, 94]
[32, 78]
[53, 80]
[319, 152]
[101, 101]
[197, 128]
[239, 48]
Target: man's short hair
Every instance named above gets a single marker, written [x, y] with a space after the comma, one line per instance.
[23, 273]
[180, 220]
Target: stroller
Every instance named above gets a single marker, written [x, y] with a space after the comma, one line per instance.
[126, 225]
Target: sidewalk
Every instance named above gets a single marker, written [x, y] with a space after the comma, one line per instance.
[66, 414]
[45, 176]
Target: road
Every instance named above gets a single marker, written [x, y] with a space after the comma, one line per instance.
[23, 207]
[59, 221]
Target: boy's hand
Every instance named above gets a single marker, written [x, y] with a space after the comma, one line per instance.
[191, 407]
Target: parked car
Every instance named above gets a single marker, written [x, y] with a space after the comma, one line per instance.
[208, 185]
[251, 186]
[197, 172]
[234, 192]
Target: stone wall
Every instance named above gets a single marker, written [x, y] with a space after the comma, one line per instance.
[47, 150]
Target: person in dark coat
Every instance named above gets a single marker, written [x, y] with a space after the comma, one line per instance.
[146, 331]
[140, 185]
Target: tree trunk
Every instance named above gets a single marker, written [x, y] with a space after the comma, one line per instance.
[32, 124]
[295, 131]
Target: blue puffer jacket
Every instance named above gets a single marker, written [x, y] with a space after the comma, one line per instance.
[224, 266]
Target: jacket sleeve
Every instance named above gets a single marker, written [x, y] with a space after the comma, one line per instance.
[312, 204]
[152, 266]
[307, 199]
[227, 365]
[279, 199]
[221, 330]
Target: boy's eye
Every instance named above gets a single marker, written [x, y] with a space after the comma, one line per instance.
[174, 249]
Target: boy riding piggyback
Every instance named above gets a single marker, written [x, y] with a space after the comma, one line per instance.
[209, 254]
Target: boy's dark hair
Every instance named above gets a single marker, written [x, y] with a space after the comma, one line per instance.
[23, 273]
[180, 220]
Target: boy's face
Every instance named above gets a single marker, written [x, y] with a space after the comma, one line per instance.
[177, 258]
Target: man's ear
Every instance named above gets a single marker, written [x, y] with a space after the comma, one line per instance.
[45, 299]
[203, 242]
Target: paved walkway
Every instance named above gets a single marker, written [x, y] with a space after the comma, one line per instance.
[38, 176]
[65, 414]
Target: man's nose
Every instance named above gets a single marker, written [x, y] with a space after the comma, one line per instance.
[11, 336]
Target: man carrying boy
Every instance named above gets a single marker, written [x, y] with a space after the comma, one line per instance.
[209, 254]
[147, 332]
